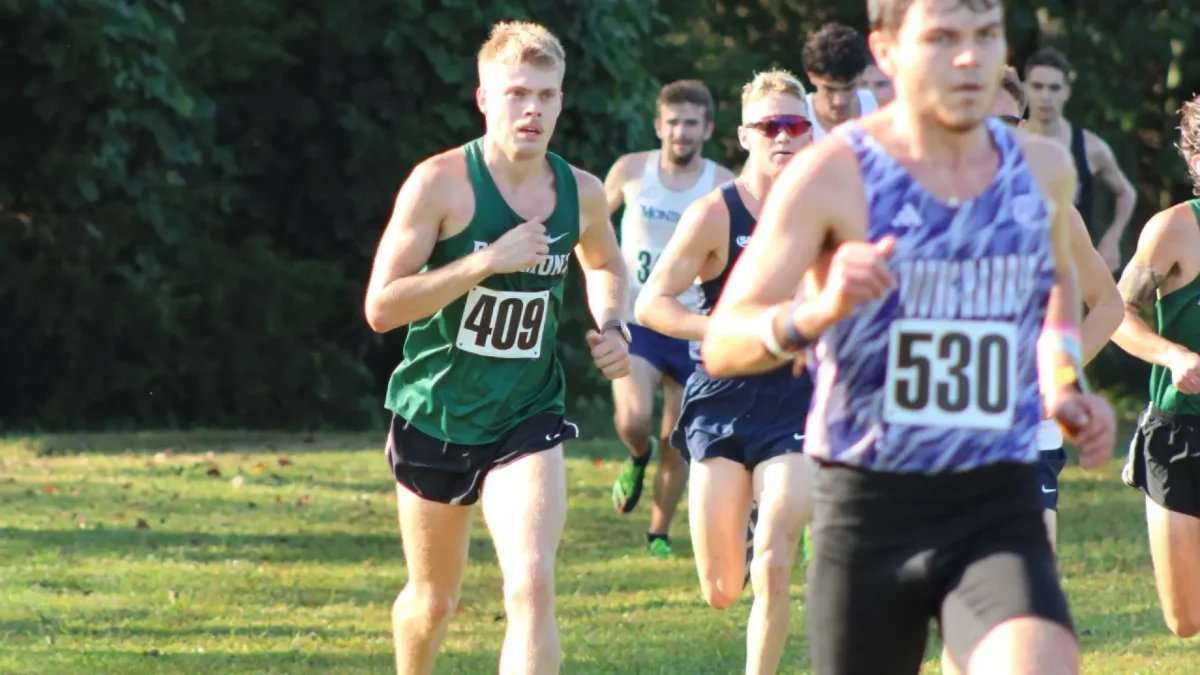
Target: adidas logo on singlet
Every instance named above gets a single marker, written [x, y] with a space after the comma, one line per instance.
[908, 217]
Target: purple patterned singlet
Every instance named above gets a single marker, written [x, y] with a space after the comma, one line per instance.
[941, 375]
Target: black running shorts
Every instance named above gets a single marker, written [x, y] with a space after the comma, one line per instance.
[453, 474]
[1164, 460]
[891, 552]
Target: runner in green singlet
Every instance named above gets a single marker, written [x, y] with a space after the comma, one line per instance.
[1164, 456]
[473, 262]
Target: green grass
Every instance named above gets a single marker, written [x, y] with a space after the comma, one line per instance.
[122, 554]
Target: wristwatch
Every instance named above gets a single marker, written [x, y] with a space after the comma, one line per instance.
[619, 326]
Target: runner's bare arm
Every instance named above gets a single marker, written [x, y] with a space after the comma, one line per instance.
[1154, 260]
[703, 227]
[398, 293]
[1099, 291]
[604, 271]
[1060, 357]
[798, 219]
[1106, 169]
[614, 184]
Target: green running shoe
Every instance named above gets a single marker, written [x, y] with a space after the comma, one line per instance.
[627, 490]
[659, 548]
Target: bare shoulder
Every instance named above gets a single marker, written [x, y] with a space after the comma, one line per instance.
[825, 176]
[593, 199]
[709, 204]
[1049, 160]
[591, 189]
[1173, 229]
[445, 167]
[439, 188]
[1092, 143]
[627, 165]
[707, 212]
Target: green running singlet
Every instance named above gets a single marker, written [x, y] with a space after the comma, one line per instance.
[1178, 314]
[487, 361]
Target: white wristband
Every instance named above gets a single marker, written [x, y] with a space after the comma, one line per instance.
[767, 335]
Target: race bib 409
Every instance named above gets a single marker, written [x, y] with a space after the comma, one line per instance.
[947, 373]
[503, 324]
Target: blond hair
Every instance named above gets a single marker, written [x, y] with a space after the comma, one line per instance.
[513, 43]
[772, 82]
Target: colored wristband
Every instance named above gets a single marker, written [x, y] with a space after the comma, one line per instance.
[793, 338]
[767, 336]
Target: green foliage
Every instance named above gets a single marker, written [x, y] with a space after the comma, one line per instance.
[191, 193]
[192, 196]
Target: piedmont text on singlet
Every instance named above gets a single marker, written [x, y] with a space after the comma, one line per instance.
[487, 361]
[940, 375]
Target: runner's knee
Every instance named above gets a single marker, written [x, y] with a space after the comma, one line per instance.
[425, 604]
[634, 419]
[771, 570]
[720, 593]
[529, 585]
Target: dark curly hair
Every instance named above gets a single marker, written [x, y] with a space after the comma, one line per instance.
[835, 52]
[1189, 139]
[887, 15]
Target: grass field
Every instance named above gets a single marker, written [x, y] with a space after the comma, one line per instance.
[243, 553]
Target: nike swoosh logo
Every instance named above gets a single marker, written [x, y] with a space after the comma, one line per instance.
[554, 239]
[798, 437]
[1045, 491]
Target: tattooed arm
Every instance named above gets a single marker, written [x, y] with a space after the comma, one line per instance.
[1153, 264]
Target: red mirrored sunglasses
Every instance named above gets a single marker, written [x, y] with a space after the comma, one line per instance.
[795, 125]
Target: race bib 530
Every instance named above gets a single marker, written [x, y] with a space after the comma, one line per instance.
[947, 373]
[503, 324]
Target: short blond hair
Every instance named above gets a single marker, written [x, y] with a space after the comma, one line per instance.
[772, 82]
[513, 43]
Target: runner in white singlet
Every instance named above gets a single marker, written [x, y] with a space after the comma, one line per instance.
[655, 187]
[834, 60]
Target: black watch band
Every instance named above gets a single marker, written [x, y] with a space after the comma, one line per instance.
[619, 326]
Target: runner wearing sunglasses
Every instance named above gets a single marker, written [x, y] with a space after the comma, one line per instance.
[742, 435]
